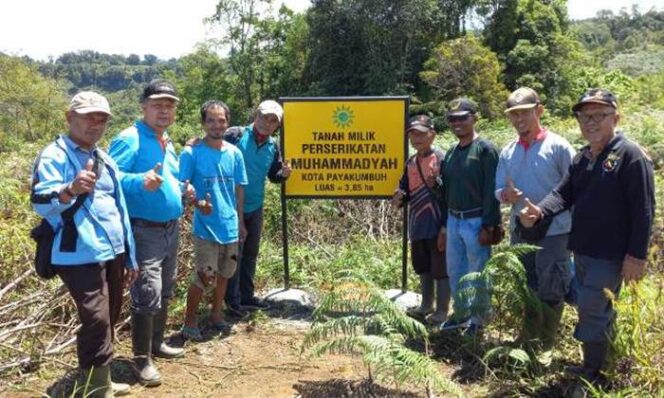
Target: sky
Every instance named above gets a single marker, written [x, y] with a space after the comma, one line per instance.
[45, 28]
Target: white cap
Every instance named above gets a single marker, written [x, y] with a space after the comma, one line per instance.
[271, 107]
[88, 102]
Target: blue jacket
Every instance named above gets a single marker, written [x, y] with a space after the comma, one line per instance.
[260, 161]
[136, 151]
[56, 167]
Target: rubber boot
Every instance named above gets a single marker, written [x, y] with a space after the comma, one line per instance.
[443, 294]
[551, 321]
[97, 382]
[159, 348]
[142, 328]
[594, 355]
[426, 305]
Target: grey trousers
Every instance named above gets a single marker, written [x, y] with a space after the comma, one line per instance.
[548, 269]
[596, 313]
[156, 253]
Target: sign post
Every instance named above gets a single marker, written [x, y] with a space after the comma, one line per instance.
[343, 148]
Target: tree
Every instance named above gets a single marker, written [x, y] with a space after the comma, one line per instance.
[464, 67]
[31, 106]
[266, 53]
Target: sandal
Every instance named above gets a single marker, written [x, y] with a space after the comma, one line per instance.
[221, 326]
[191, 333]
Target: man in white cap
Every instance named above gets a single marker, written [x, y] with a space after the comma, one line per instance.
[77, 191]
[262, 160]
[531, 166]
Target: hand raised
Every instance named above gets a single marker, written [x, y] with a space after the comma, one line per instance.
[530, 214]
[511, 194]
[152, 180]
[205, 205]
[189, 192]
[85, 180]
[286, 169]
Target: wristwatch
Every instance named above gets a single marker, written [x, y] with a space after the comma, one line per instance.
[68, 191]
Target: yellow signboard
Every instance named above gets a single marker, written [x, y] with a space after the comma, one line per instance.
[344, 147]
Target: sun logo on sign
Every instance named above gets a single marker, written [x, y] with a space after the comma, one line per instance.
[343, 117]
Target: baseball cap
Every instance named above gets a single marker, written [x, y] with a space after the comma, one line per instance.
[159, 88]
[522, 98]
[596, 96]
[421, 123]
[88, 102]
[270, 107]
[461, 107]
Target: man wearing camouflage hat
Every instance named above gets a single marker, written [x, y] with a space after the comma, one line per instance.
[473, 213]
[610, 189]
[531, 166]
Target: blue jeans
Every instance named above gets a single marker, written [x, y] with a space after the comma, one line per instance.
[241, 286]
[464, 253]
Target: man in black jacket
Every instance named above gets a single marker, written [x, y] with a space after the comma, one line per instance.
[610, 186]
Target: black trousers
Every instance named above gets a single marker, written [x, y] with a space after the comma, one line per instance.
[97, 291]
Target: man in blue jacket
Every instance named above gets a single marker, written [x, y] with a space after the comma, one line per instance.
[262, 160]
[95, 256]
[149, 176]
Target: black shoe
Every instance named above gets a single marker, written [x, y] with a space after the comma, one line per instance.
[473, 331]
[254, 304]
[236, 311]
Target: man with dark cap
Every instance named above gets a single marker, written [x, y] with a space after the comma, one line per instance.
[531, 166]
[418, 187]
[610, 189]
[76, 190]
[149, 175]
[473, 213]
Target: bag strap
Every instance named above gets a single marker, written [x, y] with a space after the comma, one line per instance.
[69, 230]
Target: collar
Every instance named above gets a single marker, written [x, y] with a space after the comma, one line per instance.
[260, 138]
[613, 145]
[75, 147]
[541, 135]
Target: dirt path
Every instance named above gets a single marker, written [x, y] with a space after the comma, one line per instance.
[259, 358]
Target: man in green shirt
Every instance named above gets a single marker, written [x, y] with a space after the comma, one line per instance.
[468, 173]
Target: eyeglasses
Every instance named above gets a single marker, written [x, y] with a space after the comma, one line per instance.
[458, 118]
[595, 117]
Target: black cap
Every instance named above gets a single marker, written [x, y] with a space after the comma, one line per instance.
[159, 88]
[461, 107]
[422, 123]
[596, 96]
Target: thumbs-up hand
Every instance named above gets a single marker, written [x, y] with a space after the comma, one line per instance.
[85, 180]
[431, 180]
[530, 214]
[205, 205]
[286, 169]
[189, 192]
[152, 180]
[510, 193]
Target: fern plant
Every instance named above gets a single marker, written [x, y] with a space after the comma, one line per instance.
[356, 318]
[501, 292]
